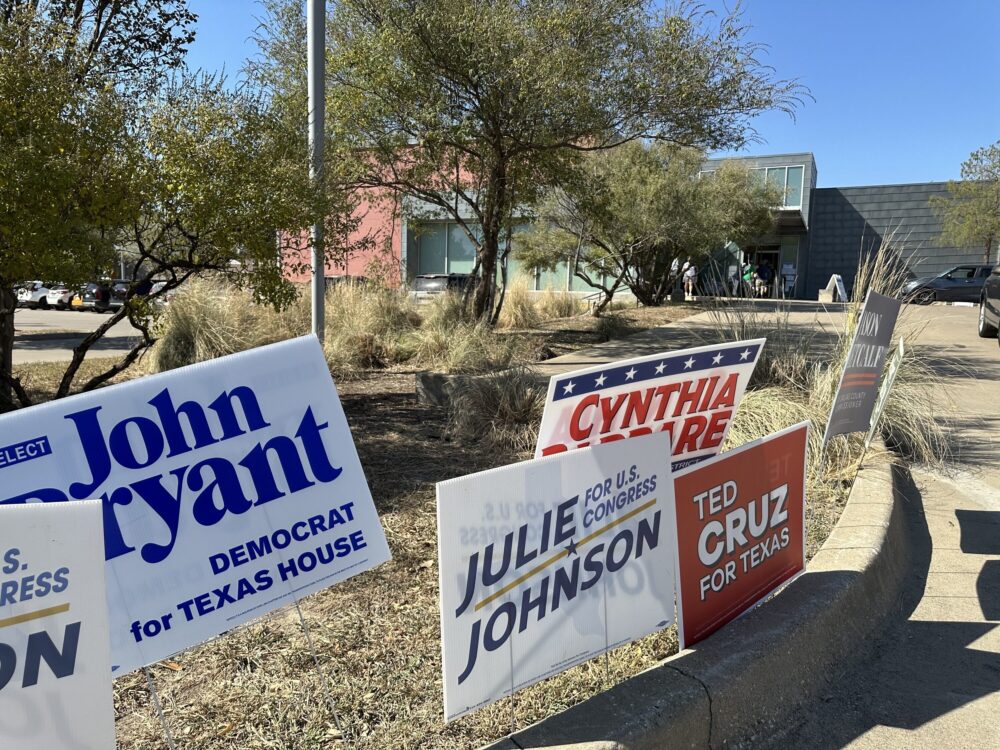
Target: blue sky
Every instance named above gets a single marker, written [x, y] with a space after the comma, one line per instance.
[904, 89]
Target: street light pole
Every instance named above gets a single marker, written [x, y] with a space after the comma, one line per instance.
[316, 52]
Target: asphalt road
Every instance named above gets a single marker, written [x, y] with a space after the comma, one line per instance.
[932, 679]
[51, 335]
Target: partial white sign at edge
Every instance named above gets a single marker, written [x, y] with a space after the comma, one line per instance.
[54, 629]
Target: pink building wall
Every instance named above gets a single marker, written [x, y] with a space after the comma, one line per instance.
[376, 245]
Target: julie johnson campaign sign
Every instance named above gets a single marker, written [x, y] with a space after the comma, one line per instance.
[858, 388]
[740, 530]
[547, 563]
[229, 488]
[690, 394]
[55, 684]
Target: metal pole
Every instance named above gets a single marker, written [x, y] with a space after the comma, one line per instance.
[316, 52]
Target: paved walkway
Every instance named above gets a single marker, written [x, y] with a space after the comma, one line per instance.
[51, 335]
[931, 680]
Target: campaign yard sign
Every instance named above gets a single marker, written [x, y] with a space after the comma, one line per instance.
[548, 563]
[691, 395]
[883, 395]
[740, 530]
[858, 387]
[228, 489]
[55, 674]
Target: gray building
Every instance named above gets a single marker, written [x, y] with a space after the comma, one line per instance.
[823, 231]
[817, 232]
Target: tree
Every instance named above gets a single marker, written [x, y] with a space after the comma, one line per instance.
[216, 178]
[634, 210]
[971, 210]
[64, 173]
[128, 41]
[473, 106]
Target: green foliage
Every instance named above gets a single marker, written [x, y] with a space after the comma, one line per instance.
[65, 179]
[470, 106]
[209, 196]
[971, 211]
[629, 212]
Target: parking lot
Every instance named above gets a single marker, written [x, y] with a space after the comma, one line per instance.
[51, 335]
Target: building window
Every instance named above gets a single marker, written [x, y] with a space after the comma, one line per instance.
[786, 179]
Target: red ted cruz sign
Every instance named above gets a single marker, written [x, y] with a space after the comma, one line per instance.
[740, 530]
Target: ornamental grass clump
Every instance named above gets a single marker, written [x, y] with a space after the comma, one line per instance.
[519, 310]
[367, 328]
[552, 305]
[500, 411]
[209, 319]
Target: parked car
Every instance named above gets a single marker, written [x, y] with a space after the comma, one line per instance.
[87, 298]
[34, 294]
[429, 284]
[104, 296]
[958, 284]
[989, 306]
[60, 296]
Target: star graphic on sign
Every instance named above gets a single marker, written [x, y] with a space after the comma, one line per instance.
[568, 388]
[600, 381]
[630, 374]
[744, 354]
[660, 368]
[571, 547]
[717, 358]
[689, 363]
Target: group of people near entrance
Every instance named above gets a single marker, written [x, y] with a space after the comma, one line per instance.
[754, 281]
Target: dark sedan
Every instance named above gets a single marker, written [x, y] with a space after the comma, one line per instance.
[958, 284]
[989, 306]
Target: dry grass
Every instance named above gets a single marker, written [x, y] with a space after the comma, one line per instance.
[612, 326]
[519, 310]
[500, 412]
[377, 635]
[559, 305]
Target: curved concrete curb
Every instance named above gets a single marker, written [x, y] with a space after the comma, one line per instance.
[744, 680]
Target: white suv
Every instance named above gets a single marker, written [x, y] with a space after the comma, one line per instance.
[33, 294]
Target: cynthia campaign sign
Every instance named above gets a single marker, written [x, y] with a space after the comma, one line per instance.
[858, 388]
[740, 529]
[547, 563]
[228, 489]
[55, 678]
[691, 395]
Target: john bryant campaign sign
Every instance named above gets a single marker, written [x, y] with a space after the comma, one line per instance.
[547, 563]
[228, 488]
[690, 394]
[55, 682]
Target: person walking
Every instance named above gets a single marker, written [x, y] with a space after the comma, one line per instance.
[690, 278]
[765, 275]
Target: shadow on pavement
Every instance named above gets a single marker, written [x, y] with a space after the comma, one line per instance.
[46, 342]
[917, 670]
[980, 531]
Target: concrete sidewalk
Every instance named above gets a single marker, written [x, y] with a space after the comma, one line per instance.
[822, 322]
[931, 680]
[51, 335]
